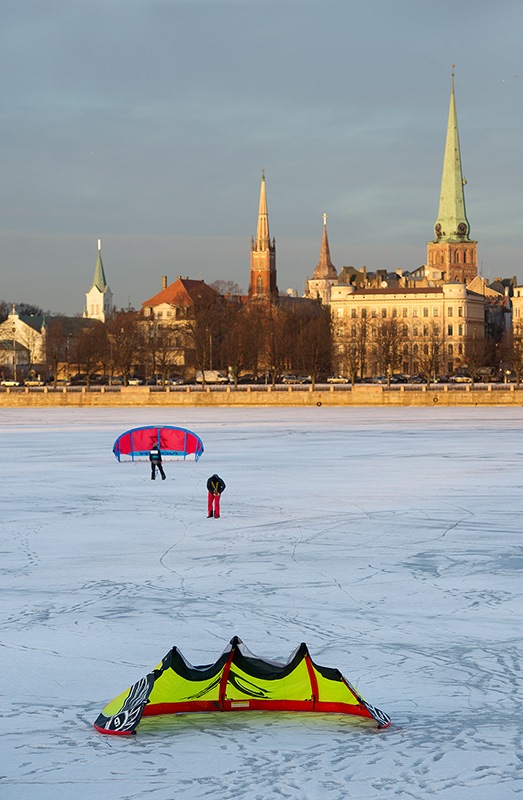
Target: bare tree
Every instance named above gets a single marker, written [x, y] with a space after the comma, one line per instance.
[477, 355]
[430, 353]
[56, 345]
[352, 343]
[314, 342]
[88, 349]
[389, 339]
[226, 287]
[237, 331]
[125, 342]
[204, 330]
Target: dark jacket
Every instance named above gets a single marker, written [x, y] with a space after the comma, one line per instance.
[155, 455]
[215, 485]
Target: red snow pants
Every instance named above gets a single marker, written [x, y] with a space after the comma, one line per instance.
[213, 499]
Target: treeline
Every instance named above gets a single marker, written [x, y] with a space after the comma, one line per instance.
[261, 338]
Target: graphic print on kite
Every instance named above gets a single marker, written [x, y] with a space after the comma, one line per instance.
[237, 681]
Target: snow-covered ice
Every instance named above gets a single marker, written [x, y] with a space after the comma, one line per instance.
[389, 540]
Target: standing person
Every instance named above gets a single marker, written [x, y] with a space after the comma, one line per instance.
[215, 487]
[155, 457]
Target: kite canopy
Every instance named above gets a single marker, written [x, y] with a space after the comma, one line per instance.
[237, 681]
[175, 443]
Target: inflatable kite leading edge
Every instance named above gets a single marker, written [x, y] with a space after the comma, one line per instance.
[175, 443]
[238, 681]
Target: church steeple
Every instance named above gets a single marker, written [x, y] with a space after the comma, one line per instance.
[452, 224]
[325, 268]
[99, 274]
[452, 252]
[263, 254]
[99, 298]
[325, 275]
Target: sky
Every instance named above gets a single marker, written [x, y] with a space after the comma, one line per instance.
[147, 123]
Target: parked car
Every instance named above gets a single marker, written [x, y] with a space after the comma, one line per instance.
[337, 379]
[460, 379]
[212, 376]
[135, 381]
[288, 378]
[10, 382]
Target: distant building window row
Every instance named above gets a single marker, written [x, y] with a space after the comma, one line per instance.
[385, 311]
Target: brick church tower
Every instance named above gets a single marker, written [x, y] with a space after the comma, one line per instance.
[452, 251]
[263, 255]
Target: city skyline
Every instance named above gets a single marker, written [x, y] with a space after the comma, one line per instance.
[148, 124]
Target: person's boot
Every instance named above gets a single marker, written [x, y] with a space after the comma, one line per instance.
[210, 514]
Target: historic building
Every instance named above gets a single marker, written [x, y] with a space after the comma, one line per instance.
[99, 298]
[22, 342]
[325, 275]
[262, 281]
[451, 252]
[431, 308]
[450, 315]
[168, 316]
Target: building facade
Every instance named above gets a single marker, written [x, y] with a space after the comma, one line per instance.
[449, 316]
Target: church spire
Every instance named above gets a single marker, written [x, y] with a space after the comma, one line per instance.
[325, 267]
[452, 224]
[452, 256]
[262, 234]
[263, 254]
[99, 274]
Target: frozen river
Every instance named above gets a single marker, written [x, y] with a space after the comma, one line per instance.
[389, 540]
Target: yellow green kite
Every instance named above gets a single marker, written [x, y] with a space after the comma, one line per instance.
[237, 681]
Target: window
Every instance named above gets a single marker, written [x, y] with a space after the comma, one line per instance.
[259, 285]
[364, 313]
[460, 330]
[353, 313]
[425, 330]
[374, 312]
[436, 330]
[414, 312]
[404, 312]
[383, 313]
[460, 349]
[435, 311]
[450, 330]
[415, 330]
[450, 350]
[159, 313]
[415, 350]
[426, 349]
[405, 349]
[404, 330]
[353, 330]
[339, 312]
[460, 312]
[394, 312]
[450, 311]
[425, 312]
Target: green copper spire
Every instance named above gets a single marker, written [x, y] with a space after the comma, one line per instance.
[452, 224]
[99, 275]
